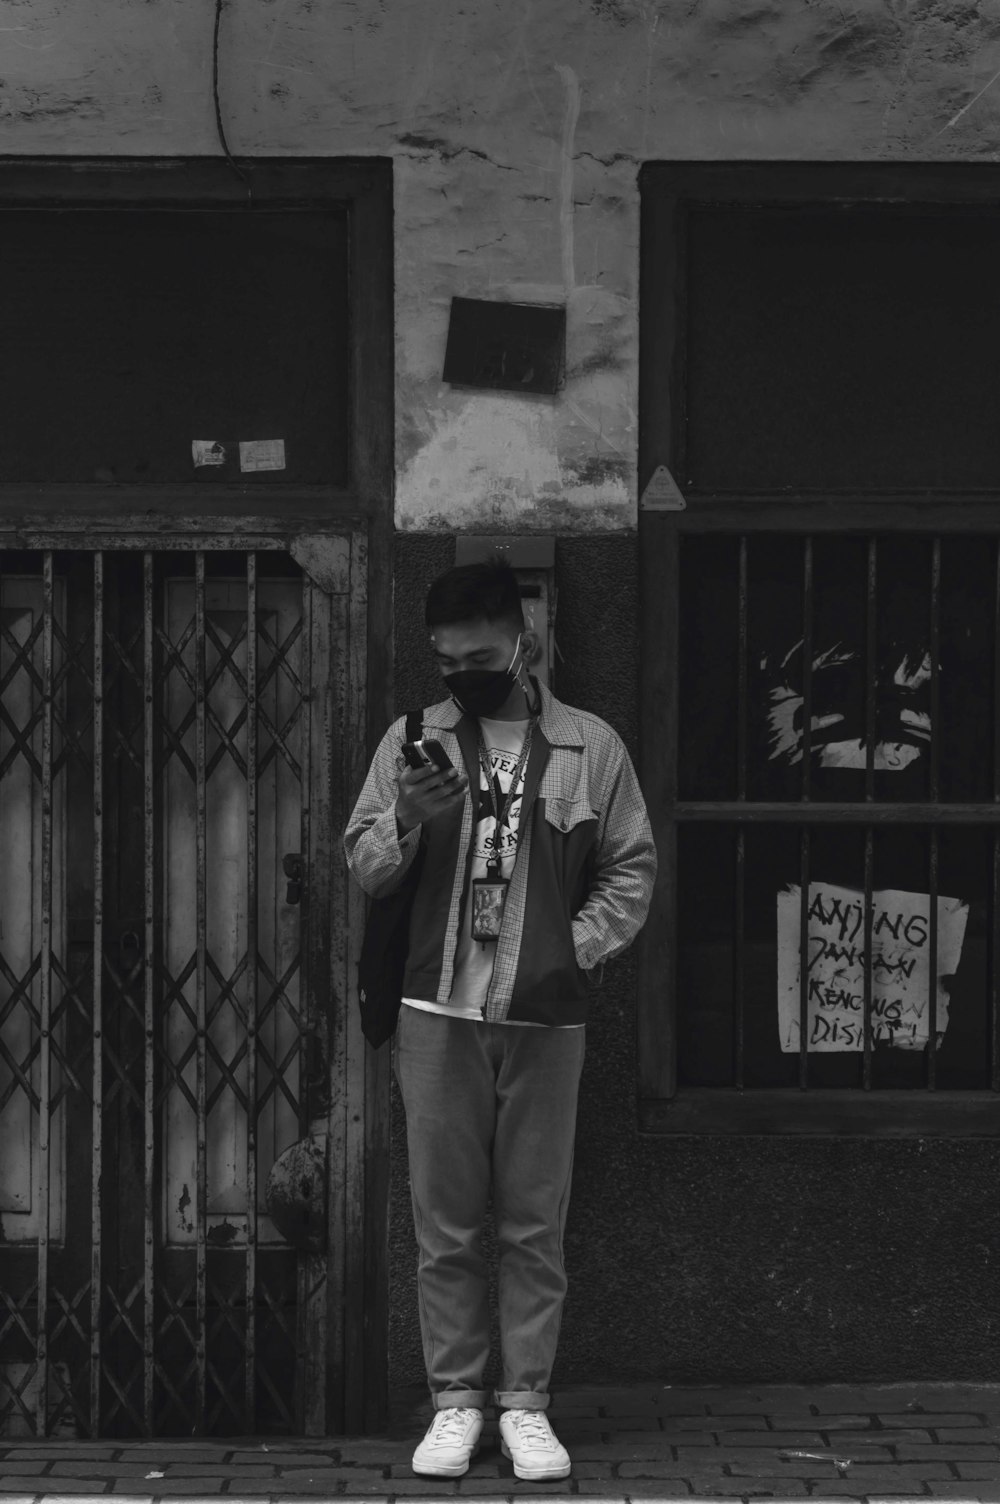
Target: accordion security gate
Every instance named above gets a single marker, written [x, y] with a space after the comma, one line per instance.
[161, 1037]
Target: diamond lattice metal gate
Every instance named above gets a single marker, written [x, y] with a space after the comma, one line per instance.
[162, 1038]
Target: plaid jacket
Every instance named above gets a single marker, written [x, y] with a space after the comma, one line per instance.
[582, 878]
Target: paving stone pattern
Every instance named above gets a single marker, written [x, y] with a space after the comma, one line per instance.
[879, 1443]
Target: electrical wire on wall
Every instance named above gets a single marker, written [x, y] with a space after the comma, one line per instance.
[219, 124]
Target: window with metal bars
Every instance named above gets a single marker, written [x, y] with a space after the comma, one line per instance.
[821, 747]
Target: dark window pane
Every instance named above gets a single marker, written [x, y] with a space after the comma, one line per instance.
[853, 347]
[127, 335]
[708, 668]
[840, 665]
[841, 661]
[900, 986]
[968, 651]
[706, 895]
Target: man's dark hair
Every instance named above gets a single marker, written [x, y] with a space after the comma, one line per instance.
[486, 591]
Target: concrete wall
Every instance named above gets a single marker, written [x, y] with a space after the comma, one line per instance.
[516, 127]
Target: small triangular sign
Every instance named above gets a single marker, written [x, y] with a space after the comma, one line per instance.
[662, 493]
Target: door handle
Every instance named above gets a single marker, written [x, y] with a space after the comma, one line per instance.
[129, 954]
[294, 869]
[128, 941]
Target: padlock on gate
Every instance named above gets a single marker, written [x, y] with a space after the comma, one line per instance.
[295, 1195]
[294, 869]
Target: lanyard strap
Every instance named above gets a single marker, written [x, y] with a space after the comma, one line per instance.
[500, 816]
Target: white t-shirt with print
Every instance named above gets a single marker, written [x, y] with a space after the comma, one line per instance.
[504, 741]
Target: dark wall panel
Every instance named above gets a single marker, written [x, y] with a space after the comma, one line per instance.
[717, 1259]
[127, 334]
[834, 348]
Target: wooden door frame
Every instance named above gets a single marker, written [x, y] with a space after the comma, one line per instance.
[343, 539]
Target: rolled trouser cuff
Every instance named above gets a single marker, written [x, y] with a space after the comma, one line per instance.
[455, 1399]
[521, 1399]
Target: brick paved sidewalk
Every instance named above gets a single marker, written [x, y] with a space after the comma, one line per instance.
[831, 1442]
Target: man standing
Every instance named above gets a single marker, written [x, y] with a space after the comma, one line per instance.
[538, 865]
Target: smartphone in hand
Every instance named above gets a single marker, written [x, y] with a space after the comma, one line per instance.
[426, 754]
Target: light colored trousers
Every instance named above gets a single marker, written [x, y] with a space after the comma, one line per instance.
[488, 1103]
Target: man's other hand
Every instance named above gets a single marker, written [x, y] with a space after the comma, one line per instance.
[425, 793]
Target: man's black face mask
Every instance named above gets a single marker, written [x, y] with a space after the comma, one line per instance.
[480, 691]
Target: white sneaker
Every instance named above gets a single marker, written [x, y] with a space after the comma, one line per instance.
[530, 1443]
[452, 1440]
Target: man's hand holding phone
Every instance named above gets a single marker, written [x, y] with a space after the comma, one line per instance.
[428, 785]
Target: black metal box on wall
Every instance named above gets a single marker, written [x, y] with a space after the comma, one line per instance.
[515, 347]
[533, 560]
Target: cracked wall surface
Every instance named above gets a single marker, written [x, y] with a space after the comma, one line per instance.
[517, 127]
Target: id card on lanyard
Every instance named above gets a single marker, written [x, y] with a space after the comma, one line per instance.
[489, 893]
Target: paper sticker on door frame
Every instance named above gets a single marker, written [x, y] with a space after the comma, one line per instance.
[208, 452]
[262, 454]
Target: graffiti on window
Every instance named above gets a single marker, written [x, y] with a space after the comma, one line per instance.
[837, 719]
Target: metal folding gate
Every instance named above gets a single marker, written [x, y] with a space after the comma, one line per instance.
[167, 919]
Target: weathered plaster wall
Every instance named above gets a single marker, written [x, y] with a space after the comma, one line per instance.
[517, 127]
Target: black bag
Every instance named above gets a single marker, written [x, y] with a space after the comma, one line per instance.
[386, 941]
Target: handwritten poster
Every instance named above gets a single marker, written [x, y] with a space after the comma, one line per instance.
[900, 963]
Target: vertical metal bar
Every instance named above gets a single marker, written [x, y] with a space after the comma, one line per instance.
[201, 943]
[869, 924]
[251, 1125]
[305, 906]
[304, 1401]
[935, 680]
[808, 615]
[337, 1341]
[742, 665]
[871, 717]
[994, 955]
[934, 791]
[739, 918]
[804, 856]
[45, 1007]
[660, 568]
[97, 1008]
[739, 961]
[347, 910]
[871, 666]
[932, 961]
[995, 895]
[149, 1020]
